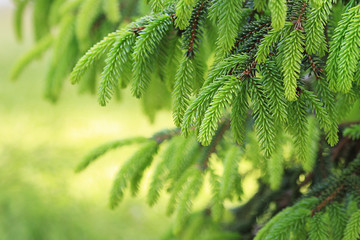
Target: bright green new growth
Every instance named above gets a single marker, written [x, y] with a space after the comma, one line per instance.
[353, 131]
[352, 230]
[62, 60]
[34, 53]
[182, 89]
[18, 17]
[93, 54]
[338, 221]
[278, 13]
[101, 150]
[264, 122]
[291, 52]
[88, 12]
[112, 10]
[349, 53]
[131, 172]
[274, 89]
[342, 62]
[221, 100]
[144, 51]
[227, 14]
[190, 190]
[239, 114]
[268, 43]
[319, 229]
[231, 162]
[313, 136]
[297, 117]
[183, 11]
[280, 226]
[315, 28]
[116, 61]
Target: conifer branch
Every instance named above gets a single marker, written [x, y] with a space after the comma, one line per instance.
[92, 55]
[278, 10]
[115, 64]
[99, 151]
[40, 47]
[144, 49]
[131, 172]
[194, 29]
[291, 54]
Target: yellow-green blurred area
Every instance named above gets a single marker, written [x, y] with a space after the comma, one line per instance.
[41, 143]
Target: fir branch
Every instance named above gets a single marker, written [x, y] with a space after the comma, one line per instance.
[249, 30]
[144, 49]
[268, 43]
[320, 112]
[349, 54]
[183, 10]
[239, 113]
[131, 172]
[328, 98]
[228, 66]
[197, 108]
[161, 172]
[315, 28]
[184, 157]
[228, 180]
[298, 127]
[88, 12]
[215, 80]
[93, 54]
[316, 70]
[18, 17]
[291, 54]
[278, 10]
[112, 10]
[101, 150]
[274, 89]
[222, 100]
[352, 230]
[333, 61]
[313, 137]
[182, 89]
[229, 14]
[217, 206]
[353, 132]
[338, 221]
[115, 65]
[40, 18]
[40, 47]
[289, 219]
[319, 229]
[64, 50]
[178, 188]
[193, 32]
[264, 121]
[328, 199]
[157, 5]
[210, 149]
[275, 164]
[191, 190]
[260, 5]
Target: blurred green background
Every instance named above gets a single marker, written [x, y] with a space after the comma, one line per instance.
[41, 143]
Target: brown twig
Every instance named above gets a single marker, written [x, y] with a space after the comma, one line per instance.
[329, 199]
[190, 52]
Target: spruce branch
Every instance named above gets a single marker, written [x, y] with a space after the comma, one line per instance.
[144, 49]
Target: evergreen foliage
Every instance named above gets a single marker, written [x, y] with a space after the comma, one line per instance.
[260, 83]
